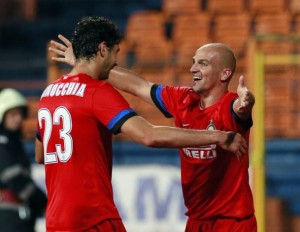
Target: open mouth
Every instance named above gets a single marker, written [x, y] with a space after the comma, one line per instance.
[197, 78]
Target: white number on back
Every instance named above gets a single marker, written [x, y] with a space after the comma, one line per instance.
[60, 116]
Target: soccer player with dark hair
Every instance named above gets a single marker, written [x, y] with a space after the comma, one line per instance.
[77, 116]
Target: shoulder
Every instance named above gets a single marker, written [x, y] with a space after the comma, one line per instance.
[179, 91]
[105, 88]
[228, 98]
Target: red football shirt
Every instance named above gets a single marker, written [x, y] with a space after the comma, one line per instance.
[215, 184]
[77, 117]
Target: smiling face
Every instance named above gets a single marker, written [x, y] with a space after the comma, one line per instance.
[205, 69]
[212, 68]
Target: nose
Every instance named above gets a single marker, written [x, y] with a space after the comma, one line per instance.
[193, 69]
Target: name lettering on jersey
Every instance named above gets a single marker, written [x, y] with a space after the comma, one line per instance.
[201, 152]
[204, 152]
[65, 89]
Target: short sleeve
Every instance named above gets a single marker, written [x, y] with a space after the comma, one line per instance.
[167, 99]
[111, 108]
[230, 119]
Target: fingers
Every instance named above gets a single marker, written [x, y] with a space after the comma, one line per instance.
[246, 98]
[57, 51]
[242, 81]
[63, 51]
[241, 147]
[239, 156]
[65, 40]
[59, 59]
[59, 48]
[242, 86]
[58, 45]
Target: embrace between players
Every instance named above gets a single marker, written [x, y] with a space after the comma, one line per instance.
[75, 130]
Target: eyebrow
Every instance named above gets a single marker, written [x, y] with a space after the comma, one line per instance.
[203, 60]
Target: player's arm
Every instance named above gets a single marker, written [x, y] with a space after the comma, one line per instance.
[130, 82]
[141, 131]
[39, 152]
[121, 78]
[245, 102]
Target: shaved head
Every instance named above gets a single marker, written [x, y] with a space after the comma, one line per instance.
[226, 57]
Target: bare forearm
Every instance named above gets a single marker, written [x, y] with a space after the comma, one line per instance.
[143, 132]
[130, 82]
[175, 137]
[150, 135]
[39, 153]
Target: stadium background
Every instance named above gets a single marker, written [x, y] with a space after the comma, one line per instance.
[160, 39]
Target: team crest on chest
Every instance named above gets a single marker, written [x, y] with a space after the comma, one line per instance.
[211, 125]
[203, 152]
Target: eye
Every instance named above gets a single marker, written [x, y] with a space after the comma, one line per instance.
[203, 64]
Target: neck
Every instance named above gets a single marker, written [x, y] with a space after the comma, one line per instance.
[209, 99]
[89, 68]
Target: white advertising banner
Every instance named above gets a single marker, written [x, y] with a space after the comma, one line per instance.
[149, 198]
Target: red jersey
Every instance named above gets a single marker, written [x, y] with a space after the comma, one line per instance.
[77, 117]
[215, 184]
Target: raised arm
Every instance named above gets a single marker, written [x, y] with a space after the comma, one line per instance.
[63, 51]
[121, 78]
[130, 82]
[244, 104]
[141, 131]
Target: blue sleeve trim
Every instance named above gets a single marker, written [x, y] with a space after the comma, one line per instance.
[246, 124]
[116, 122]
[157, 99]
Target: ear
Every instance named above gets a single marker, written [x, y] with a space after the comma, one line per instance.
[102, 48]
[226, 73]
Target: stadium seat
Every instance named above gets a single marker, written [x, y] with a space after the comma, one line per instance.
[153, 55]
[184, 54]
[271, 27]
[164, 76]
[273, 23]
[144, 27]
[190, 28]
[235, 79]
[266, 6]
[282, 179]
[278, 103]
[173, 8]
[184, 78]
[296, 32]
[215, 7]
[124, 55]
[233, 30]
[189, 33]
[294, 7]
[296, 22]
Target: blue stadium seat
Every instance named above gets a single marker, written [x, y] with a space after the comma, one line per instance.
[282, 171]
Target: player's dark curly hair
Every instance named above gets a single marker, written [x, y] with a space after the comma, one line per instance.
[91, 31]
